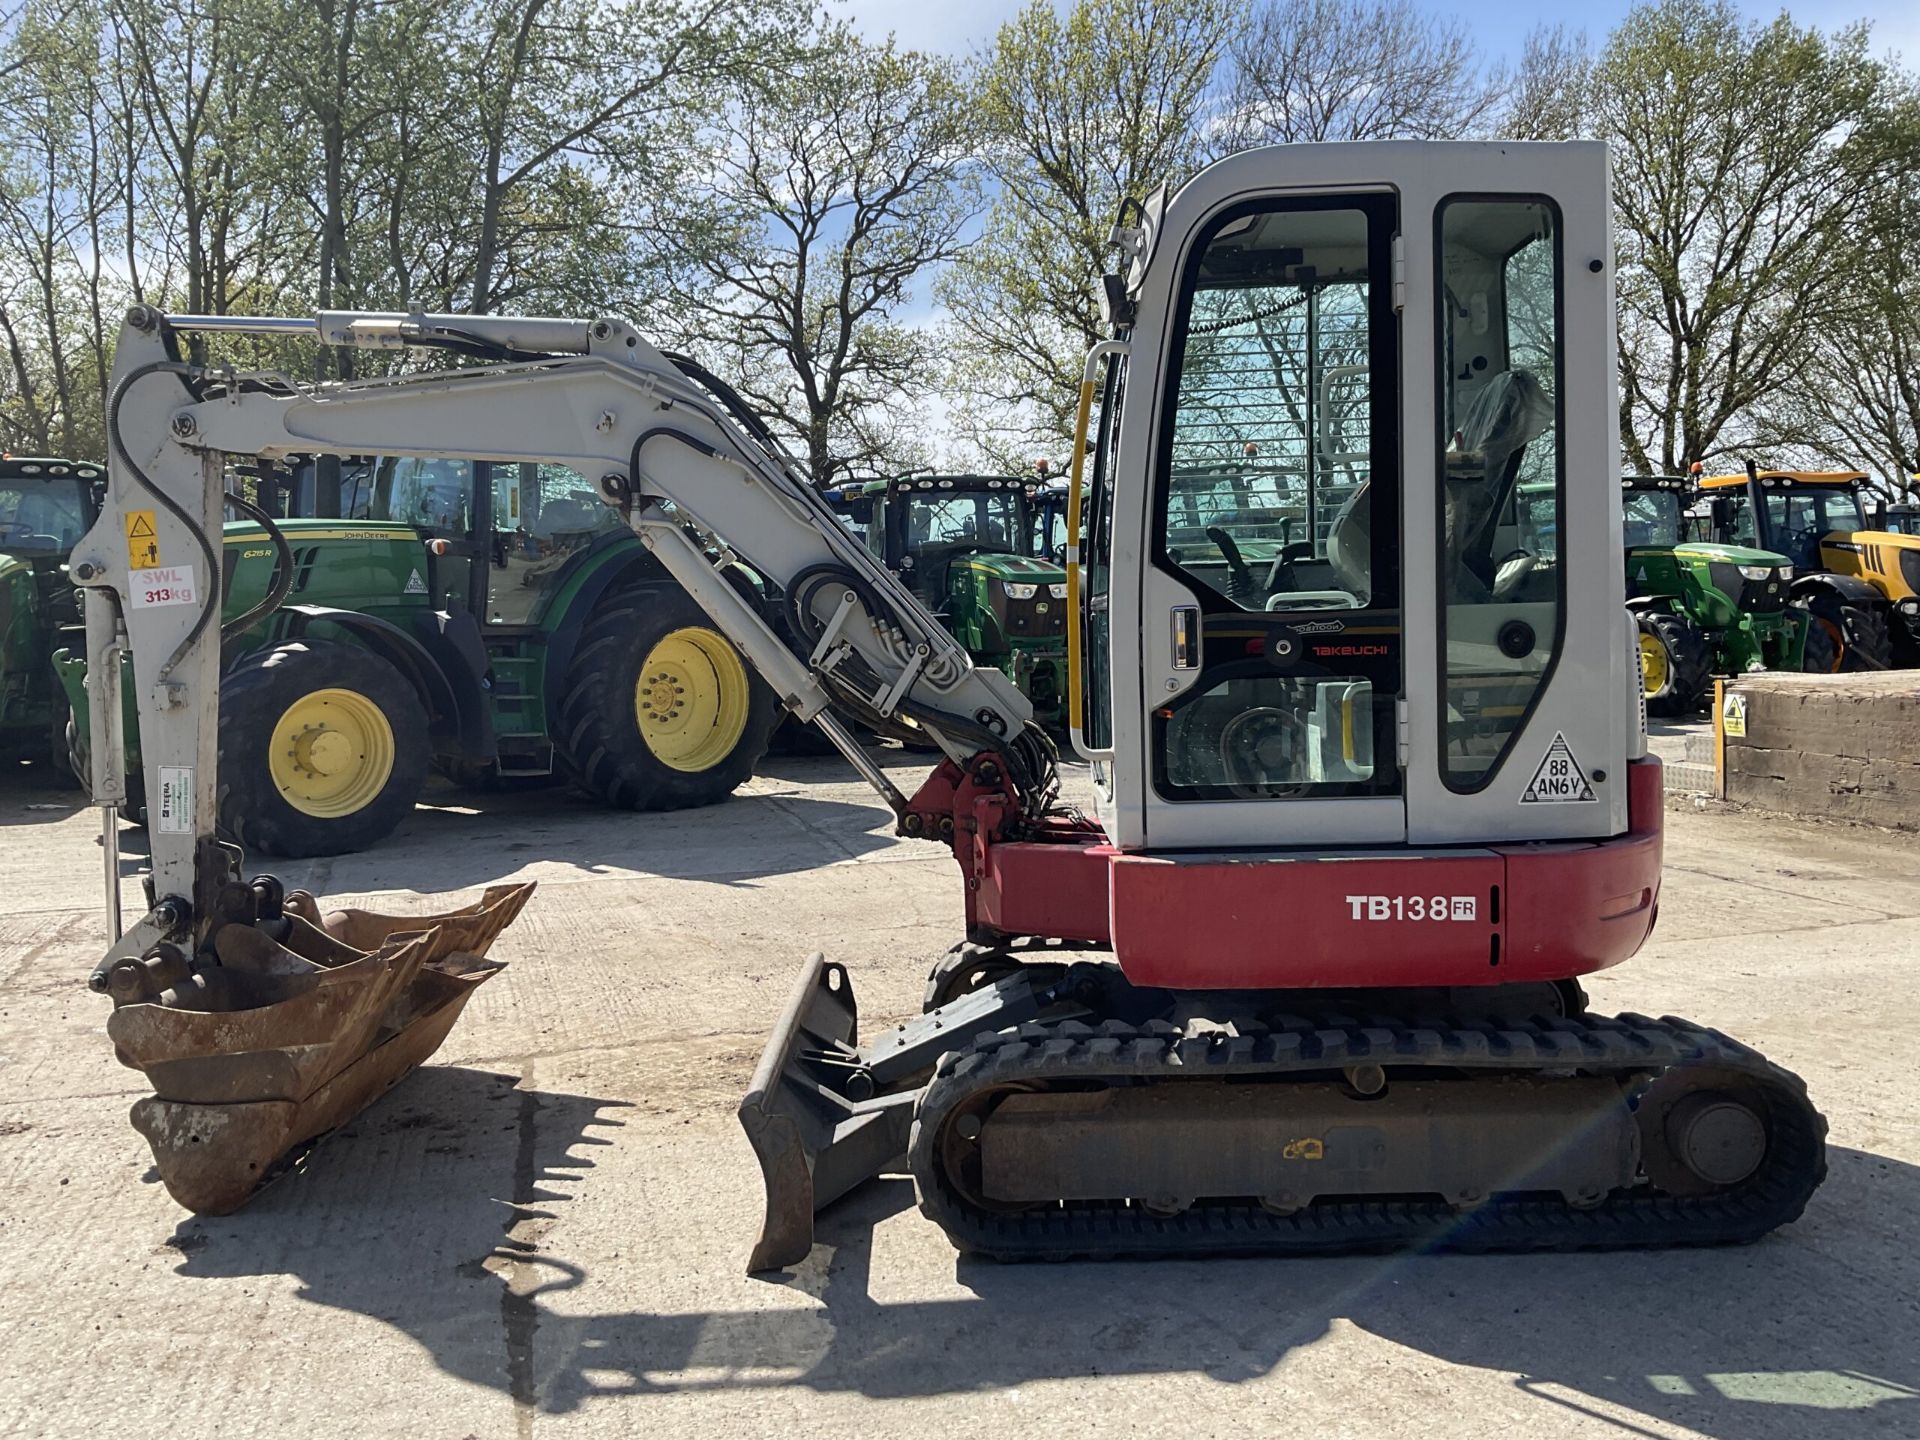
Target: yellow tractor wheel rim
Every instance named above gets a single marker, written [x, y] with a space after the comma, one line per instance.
[331, 754]
[691, 699]
[1653, 665]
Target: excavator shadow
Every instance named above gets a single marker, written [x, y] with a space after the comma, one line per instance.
[30, 796]
[450, 842]
[449, 1200]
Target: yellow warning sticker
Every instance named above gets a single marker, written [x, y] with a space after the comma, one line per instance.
[1309, 1148]
[143, 541]
[1733, 716]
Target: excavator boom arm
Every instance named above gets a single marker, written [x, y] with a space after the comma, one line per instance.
[696, 483]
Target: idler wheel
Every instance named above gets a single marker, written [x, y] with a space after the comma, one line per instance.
[1720, 1140]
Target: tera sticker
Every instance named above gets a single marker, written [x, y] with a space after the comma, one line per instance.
[415, 585]
[176, 800]
[152, 589]
[1559, 780]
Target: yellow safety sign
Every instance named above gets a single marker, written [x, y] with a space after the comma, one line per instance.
[143, 542]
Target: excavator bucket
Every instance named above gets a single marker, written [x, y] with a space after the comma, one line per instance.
[284, 1040]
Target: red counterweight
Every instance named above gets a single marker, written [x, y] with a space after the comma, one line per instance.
[1467, 915]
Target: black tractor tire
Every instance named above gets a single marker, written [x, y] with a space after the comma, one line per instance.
[1689, 663]
[60, 744]
[1843, 636]
[255, 698]
[133, 809]
[599, 741]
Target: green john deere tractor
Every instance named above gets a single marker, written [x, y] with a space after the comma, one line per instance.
[1703, 609]
[46, 505]
[965, 544]
[495, 621]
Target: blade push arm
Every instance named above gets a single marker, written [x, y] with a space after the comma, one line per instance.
[700, 483]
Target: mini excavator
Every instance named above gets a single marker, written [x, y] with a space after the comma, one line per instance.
[1350, 666]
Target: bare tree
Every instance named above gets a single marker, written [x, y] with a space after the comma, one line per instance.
[565, 93]
[59, 195]
[839, 186]
[1734, 156]
[1550, 91]
[1082, 112]
[1306, 70]
[1860, 401]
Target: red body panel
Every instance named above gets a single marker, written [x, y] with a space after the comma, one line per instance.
[1529, 912]
[1210, 923]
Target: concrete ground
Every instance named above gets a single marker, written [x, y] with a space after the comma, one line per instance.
[542, 1233]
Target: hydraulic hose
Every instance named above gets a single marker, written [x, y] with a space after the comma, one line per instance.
[210, 602]
[279, 586]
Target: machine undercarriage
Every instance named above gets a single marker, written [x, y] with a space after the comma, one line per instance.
[1068, 1115]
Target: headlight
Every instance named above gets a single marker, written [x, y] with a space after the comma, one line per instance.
[1021, 592]
[1757, 572]
[1058, 592]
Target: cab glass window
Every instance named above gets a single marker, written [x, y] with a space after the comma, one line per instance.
[1842, 511]
[41, 515]
[989, 521]
[1097, 518]
[1277, 503]
[433, 494]
[1500, 471]
[1265, 496]
[1652, 517]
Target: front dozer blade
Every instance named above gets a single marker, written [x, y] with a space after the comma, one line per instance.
[825, 1116]
[815, 1143]
[285, 1040]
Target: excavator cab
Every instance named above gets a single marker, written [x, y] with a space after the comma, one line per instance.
[1338, 455]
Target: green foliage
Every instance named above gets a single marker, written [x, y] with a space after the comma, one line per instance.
[831, 189]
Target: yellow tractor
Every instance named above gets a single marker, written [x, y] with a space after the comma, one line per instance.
[1859, 585]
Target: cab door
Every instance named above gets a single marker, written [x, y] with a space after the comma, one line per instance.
[1270, 592]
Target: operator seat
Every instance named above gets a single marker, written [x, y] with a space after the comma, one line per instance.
[1350, 543]
[1507, 414]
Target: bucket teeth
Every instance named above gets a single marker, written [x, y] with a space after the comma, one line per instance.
[284, 1039]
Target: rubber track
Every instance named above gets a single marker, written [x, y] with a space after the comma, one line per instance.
[1078, 1053]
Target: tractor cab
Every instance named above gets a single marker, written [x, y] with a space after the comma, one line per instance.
[1796, 512]
[1050, 521]
[966, 545]
[1860, 583]
[1702, 608]
[499, 537]
[923, 525]
[1653, 510]
[46, 505]
[1902, 518]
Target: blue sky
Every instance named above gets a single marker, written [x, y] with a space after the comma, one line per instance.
[962, 27]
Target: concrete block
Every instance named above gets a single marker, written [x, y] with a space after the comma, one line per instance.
[1845, 746]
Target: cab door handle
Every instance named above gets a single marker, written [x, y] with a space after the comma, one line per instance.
[1186, 637]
